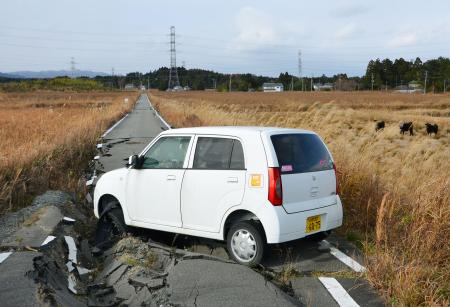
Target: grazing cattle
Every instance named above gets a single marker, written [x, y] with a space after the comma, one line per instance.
[406, 126]
[379, 125]
[432, 128]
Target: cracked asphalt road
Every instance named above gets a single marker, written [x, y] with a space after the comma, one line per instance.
[163, 269]
[229, 284]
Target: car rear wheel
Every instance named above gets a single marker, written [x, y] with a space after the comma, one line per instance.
[245, 243]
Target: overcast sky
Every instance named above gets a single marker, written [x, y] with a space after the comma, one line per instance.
[261, 37]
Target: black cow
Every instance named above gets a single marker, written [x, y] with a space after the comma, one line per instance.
[406, 126]
[432, 128]
[379, 125]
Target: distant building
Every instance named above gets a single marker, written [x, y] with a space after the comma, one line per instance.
[412, 87]
[129, 87]
[415, 85]
[272, 87]
[176, 88]
[323, 87]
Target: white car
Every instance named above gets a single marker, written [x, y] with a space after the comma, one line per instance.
[246, 185]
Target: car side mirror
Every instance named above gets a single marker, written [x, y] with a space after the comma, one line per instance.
[134, 161]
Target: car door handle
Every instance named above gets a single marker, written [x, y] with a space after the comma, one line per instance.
[171, 177]
[232, 179]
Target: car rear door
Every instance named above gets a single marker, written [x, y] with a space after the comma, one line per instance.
[307, 173]
[213, 183]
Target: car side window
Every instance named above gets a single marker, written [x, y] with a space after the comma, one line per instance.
[218, 154]
[237, 156]
[167, 153]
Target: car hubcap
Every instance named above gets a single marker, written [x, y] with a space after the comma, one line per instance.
[243, 245]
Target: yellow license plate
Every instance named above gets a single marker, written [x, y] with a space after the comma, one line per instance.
[313, 223]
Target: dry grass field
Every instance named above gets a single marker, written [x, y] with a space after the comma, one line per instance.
[47, 137]
[395, 187]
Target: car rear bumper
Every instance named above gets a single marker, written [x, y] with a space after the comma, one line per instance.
[287, 227]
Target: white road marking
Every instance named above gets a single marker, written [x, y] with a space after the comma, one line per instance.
[71, 283]
[355, 266]
[48, 240]
[114, 126]
[3, 256]
[338, 292]
[68, 219]
[72, 249]
[82, 271]
[70, 266]
[91, 181]
[99, 146]
[157, 114]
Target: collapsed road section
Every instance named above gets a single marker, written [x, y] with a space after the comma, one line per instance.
[48, 255]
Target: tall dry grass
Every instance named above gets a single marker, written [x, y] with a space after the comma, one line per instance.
[395, 188]
[46, 138]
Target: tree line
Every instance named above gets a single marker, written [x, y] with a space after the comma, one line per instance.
[380, 75]
[390, 74]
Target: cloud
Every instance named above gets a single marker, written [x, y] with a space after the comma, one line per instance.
[255, 29]
[349, 10]
[411, 35]
[346, 31]
[404, 39]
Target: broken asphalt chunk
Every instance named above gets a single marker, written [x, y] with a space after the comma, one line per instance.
[72, 249]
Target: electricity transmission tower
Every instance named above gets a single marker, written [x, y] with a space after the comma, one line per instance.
[72, 67]
[300, 67]
[173, 74]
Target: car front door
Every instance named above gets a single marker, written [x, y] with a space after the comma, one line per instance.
[214, 183]
[153, 190]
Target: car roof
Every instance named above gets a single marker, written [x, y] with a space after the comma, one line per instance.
[234, 130]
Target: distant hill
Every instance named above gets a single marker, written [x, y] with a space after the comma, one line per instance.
[10, 76]
[53, 73]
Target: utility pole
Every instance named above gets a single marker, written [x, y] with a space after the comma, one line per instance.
[229, 86]
[173, 73]
[372, 82]
[112, 77]
[148, 83]
[292, 83]
[300, 66]
[425, 87]
[312, 77]
[445, 86]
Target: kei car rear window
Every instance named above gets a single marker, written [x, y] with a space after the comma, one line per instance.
[301, 153]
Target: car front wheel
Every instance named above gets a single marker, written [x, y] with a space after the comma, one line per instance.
[110, 227]
[245, 243]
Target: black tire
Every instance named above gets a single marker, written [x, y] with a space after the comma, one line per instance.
[110, 227]
[256, 232]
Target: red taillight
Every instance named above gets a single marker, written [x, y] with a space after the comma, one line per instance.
[336, 175]
[275, 187]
